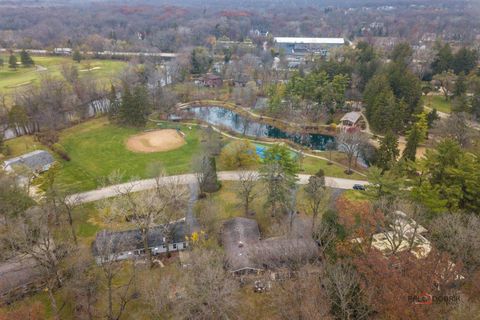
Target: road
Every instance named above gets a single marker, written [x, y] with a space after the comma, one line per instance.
[190, 179]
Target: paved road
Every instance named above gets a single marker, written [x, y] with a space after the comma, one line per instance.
[139, 185]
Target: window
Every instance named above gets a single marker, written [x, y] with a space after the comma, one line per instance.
[174, 246]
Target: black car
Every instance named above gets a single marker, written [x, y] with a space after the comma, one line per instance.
[359, 187]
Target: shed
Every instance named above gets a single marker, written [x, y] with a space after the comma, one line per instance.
[38, 161]
[351, 118]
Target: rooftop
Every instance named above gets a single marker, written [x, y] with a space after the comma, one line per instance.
[130, 240]
[351, 116]
[36, 161]
[309, 40]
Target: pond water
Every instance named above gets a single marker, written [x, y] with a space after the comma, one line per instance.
[219, 116]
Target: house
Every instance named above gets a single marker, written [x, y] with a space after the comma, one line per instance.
[63, 51]
[38, 161]
[351, 119]
[19, 276]
[122, 245]
[211, 81]
[296, 48]
[247, 253]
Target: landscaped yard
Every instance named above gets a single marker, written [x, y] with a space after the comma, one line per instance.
[438, 102]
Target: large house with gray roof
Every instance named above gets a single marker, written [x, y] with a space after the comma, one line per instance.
[123, 245]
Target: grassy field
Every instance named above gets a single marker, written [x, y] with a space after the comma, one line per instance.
[97, 148]
[437, 102]
[10, 79]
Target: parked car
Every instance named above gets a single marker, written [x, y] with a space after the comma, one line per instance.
[360, 187]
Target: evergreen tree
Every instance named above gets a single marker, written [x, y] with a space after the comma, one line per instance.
[12, 62]
[77, 56]
[460, 85]
[25, 59]
[388, 151]
[134, 108]
[465, 60]
[415, 136]
[207, 174]
[443, 59]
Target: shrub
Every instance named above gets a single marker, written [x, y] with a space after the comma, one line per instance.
[47, 138]
[60, 150]
[239, 154]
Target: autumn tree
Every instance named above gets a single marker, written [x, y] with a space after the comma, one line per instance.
[239, 154]
[246, 189]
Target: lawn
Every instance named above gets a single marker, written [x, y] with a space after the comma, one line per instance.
[10, 79]
[437, 102]
[97, 148]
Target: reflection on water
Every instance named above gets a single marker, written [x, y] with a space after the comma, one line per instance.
[219, 116]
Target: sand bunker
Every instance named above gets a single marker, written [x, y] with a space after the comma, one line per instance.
[156, 141]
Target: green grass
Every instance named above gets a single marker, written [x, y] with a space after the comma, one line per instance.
[437, 102]
[11, 80]
[97, 148]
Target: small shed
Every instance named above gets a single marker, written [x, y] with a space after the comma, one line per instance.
[351, 119]
[38, 161]
[212, 81]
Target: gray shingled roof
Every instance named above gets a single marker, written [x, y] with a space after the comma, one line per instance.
[36, 161]
[130, 240]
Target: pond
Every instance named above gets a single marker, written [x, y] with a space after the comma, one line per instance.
[231, 120]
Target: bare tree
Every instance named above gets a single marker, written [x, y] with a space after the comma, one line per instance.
[456, 127]
[209, 290]
[32, 234]
[118, 283]
[350, 142]
[315, 191]
[160, 206]
[247, 180]
[347, 298]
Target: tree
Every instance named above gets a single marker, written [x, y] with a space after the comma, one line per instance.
[77, 56]
[134, 107]
[25, 59]
[446, 80]
[316, 193]
[246, 189]
[206, 173]
[158, 207]
[12, 62]
[388, 152]
[239, 154]
[460, 87]
[464, 60]
[349, 142]
[415, 136]
[443, 59]
[118, 280]
[209, 291]
[34, 235]
[279, 174]
[200, 60]
[347, 297]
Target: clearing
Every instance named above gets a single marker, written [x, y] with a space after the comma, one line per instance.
[156, 141]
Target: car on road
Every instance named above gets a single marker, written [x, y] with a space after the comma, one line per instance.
[360, 187]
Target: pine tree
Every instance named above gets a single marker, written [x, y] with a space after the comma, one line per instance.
[134, 108]
[460, 85]
[25, 59]
[388, 151]
[12, 62]
[77, 56]
[416, 135]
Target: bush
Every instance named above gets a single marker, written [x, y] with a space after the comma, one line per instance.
[48, 138]
[239, 154]
[60, 150]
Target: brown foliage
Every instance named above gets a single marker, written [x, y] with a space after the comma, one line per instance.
[391, 280]
[34, 311]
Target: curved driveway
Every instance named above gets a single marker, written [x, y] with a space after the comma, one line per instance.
[146, 184]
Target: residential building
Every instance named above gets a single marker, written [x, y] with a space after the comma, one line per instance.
[122, 245]
[37, 161]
